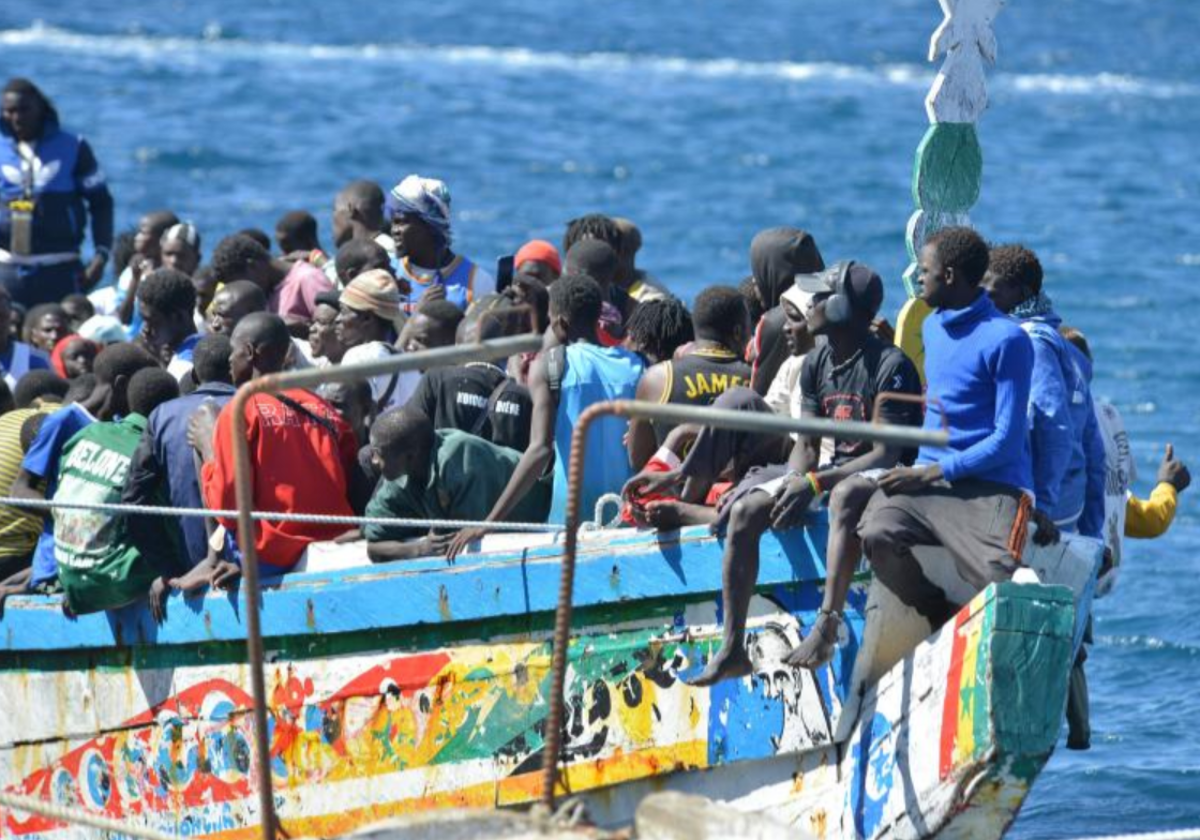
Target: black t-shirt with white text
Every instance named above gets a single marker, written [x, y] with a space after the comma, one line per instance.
[458, 398]
[848, 391]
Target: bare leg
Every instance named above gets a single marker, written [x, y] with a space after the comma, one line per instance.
[749, 519]
[667, 516]
[846, 505]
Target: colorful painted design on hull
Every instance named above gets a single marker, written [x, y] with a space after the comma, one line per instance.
[359, 738]
[935, 743]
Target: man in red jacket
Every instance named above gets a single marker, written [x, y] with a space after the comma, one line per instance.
[301, 448]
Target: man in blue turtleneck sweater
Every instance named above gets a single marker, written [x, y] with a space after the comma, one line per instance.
[972, 496]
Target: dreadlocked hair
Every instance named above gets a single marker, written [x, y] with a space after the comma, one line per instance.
[592, 226]
[657, 328]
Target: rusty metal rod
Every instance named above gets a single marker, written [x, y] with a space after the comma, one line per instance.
[719, 417]
[244, 487]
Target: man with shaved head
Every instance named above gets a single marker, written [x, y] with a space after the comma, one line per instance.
[358, 216]
[302, 452]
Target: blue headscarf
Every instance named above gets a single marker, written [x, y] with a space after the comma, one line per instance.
[426, 198]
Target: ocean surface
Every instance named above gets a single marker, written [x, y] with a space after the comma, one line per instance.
[706, 121]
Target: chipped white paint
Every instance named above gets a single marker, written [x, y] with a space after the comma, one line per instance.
[966, 39]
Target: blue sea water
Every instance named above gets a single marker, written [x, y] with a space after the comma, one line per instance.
[706, 121]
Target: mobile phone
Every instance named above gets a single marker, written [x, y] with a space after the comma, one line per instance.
[504, 272]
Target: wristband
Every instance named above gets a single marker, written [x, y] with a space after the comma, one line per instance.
[814, 482]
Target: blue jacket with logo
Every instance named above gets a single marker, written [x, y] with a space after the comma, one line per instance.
[67, 183]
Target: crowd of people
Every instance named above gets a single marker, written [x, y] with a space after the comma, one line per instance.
[120, 393]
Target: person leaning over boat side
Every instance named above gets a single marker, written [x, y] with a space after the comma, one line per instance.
[103, 562]
[437, 474]
[291, 288]
[478, 397]
[166, 301]
[38, 476]
[419, 211]
[165, 460]
[712, 365]
[565, 381]
[50, 181]
[1064, 435]
[302, 452]
[972, 496]
[777, 255]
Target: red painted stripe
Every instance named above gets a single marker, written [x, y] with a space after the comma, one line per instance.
[953, 693]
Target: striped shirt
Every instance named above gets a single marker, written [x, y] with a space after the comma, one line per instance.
[19, 528]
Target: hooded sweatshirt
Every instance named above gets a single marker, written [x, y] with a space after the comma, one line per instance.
[777, 255]
[977, 364]
[66, 181]
[1062, 423]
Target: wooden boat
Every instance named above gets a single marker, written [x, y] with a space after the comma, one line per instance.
[419, 686]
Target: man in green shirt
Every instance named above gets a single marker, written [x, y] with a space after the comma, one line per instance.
[443, 474]
[99, 565]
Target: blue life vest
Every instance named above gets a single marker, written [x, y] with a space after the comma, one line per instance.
[593, 374]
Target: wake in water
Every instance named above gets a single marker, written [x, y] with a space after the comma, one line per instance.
[176, 49]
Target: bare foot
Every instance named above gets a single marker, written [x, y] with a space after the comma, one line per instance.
[818, 646]
[727, 664]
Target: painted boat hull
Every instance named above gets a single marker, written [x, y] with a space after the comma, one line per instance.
[406, 688]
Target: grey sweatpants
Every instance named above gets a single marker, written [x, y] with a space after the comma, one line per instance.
[975, 521]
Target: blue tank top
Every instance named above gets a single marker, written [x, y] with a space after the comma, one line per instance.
[594, 374]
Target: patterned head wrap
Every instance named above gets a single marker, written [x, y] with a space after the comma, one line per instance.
[426, 198]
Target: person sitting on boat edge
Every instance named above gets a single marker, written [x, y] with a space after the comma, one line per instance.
[437, 474]
[38, 476]
[1064, 434]
[971, 497]
[164, 462]
[565, 381]
[302, 452]
[777, 255]
[105, 562]
[709, 367]
[840, 380]
[419, 211]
